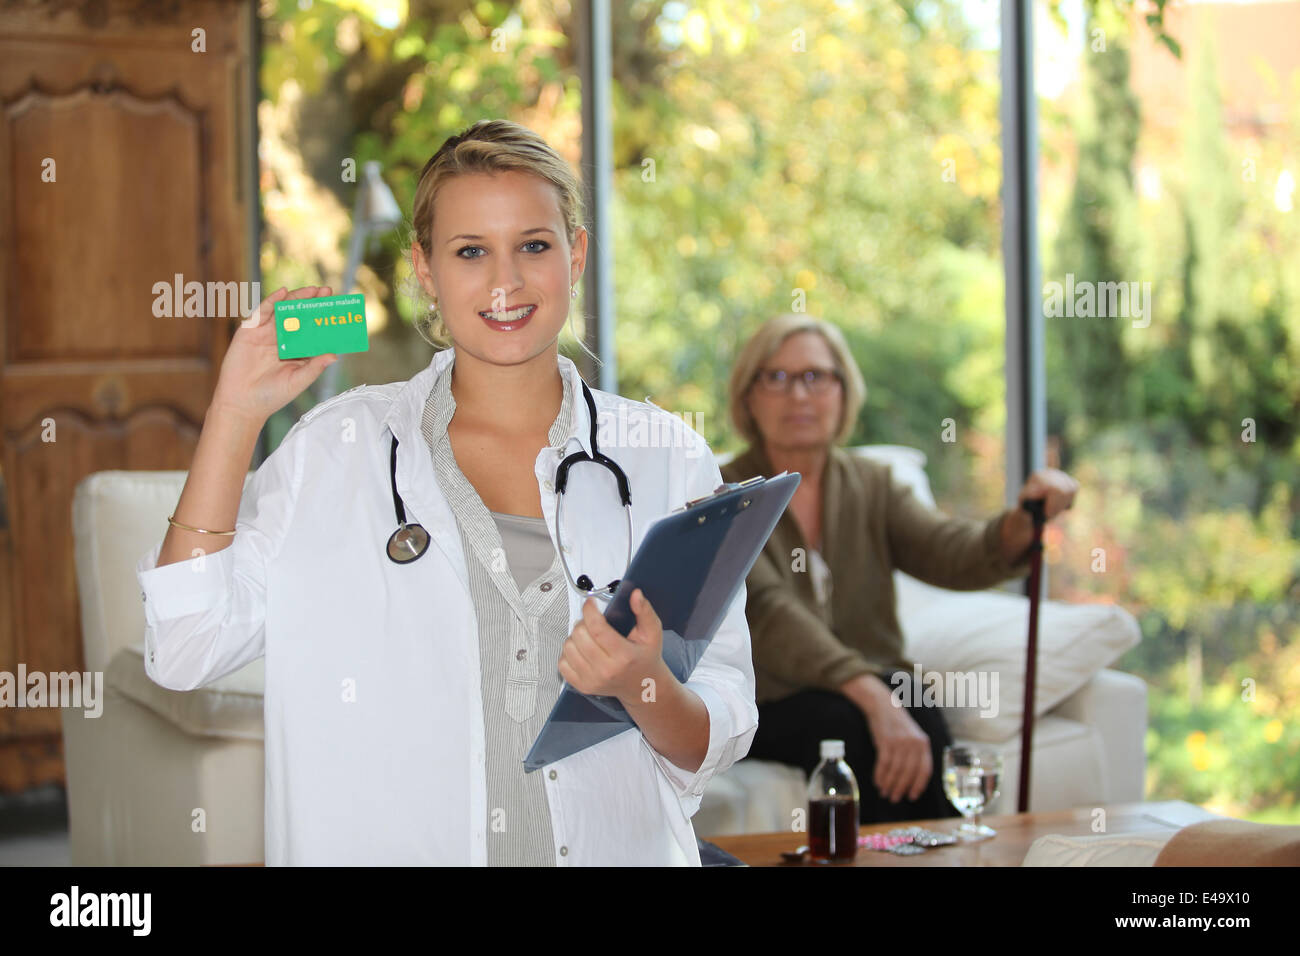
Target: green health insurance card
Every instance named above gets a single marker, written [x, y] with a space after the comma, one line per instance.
[331, 324]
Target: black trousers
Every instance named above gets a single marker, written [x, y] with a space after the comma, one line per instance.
[790, 731]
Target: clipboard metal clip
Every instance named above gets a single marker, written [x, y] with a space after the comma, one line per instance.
[725, 489]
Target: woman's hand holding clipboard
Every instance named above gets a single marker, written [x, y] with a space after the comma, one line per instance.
[598, 660]
[690, 566]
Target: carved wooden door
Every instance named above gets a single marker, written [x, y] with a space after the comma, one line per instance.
[125, 146]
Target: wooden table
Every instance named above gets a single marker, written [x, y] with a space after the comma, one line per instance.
[1016, 831]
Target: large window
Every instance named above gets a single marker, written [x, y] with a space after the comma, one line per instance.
[1172, 313]
[836, 158]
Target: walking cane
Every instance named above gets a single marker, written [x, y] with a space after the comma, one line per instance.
[1035, 507]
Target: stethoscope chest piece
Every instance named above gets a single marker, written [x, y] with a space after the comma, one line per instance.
[407, 543]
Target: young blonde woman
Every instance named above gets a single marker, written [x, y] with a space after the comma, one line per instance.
[402, 695]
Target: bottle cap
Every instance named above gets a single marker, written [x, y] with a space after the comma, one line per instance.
[833, 749]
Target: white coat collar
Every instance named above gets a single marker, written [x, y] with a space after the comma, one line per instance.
[403, 418]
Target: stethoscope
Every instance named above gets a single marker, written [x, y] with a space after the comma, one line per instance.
[409, 542]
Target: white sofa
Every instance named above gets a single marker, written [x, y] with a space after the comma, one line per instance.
[139, 774]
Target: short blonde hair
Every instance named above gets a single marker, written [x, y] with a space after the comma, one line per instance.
[488, 146]
[765, 343]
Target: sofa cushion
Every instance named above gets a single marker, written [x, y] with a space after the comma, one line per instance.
[985, 632]
[228, 707]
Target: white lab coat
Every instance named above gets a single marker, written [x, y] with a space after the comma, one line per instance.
[396, 775]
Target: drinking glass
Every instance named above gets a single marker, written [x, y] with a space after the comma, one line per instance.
[970, 782]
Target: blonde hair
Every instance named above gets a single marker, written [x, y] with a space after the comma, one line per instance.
[764, 343]
[488, 146]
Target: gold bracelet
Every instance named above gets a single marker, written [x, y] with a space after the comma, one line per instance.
[172, 520]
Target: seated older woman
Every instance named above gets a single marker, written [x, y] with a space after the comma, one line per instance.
[828, 651]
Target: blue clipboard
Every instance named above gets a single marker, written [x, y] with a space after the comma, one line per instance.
[690, 565]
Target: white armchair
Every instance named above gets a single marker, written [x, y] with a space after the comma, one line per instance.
[168, 777]
[139, 773]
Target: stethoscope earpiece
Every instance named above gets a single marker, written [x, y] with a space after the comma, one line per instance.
[583, 582]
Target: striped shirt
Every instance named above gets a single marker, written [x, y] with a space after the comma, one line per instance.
[520, 633]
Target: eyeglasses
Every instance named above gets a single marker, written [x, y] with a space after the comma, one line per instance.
[818, 381]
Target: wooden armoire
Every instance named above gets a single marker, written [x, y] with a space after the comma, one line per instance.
[127, 157]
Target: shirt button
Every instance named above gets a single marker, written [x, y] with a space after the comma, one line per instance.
[143, 597]
[520, 654]
[564, 851]
[548, 485]
[553, 775]
[544, 586]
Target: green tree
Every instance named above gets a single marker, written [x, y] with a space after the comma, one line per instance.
[1089, 374]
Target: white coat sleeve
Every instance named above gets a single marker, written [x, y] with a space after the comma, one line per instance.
[205, 617]
[723, 677]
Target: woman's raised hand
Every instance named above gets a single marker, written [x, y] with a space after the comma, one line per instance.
[255, 382]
